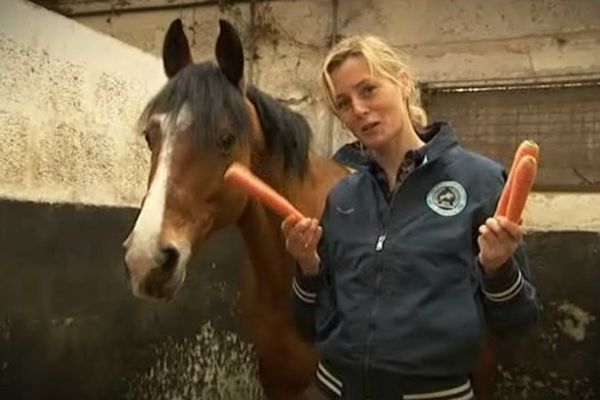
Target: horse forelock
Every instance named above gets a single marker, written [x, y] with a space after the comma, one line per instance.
[211, 104]
[202, 94]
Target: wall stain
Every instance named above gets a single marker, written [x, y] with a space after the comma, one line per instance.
[213, 365]
[574, 321]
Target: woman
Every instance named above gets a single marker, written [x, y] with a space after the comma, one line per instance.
[407, 267]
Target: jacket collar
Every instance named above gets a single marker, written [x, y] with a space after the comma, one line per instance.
[438, 137]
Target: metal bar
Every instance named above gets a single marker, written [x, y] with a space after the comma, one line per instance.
[548, 82]
[118, 8]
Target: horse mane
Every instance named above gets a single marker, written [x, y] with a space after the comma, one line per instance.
[206, 91]
[286, 131]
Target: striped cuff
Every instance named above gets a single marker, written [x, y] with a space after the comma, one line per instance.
[462, 392]
[305, 295]
[328, 382]
[503, 285]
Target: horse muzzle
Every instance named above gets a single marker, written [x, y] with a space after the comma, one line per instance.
[156, 274]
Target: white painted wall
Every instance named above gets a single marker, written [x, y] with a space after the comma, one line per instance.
[72, 95]
[70, 99]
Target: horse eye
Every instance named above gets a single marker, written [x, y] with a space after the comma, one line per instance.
[226, 141]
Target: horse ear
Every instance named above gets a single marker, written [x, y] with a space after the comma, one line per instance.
[230, 53]
[176, 49]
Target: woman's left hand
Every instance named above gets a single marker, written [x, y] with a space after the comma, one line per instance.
[498, 239]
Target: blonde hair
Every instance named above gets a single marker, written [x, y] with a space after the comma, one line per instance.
[382, 61]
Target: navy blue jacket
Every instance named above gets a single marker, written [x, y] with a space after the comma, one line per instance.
[399, 289]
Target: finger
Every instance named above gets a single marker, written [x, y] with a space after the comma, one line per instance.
[502, 236]
[484, 230]
[489, 238]
[295, 236]
[314, 240]
[288, 223]
[303, 231]
[480, 241]
[311, 231]
[511, 228]
[486, 244]
[303, 225]
[493, 225]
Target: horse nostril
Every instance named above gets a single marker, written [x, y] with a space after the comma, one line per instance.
[170, 258]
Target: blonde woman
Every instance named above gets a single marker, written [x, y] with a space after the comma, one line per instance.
[407, 267]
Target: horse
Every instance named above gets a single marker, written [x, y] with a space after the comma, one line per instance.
[201, 121]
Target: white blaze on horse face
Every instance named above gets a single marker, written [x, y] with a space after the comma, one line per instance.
[145, 237]
[150, 221]
[144, 242]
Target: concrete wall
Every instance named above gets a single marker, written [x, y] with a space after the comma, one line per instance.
[71, 169]
[70, 166]
[70, 328]
[448, 43]
[70, 99]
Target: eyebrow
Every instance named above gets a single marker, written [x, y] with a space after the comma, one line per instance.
[356, 86]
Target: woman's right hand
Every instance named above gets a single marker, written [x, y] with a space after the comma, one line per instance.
[301, 238]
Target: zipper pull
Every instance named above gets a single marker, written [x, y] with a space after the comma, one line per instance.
[380, 240]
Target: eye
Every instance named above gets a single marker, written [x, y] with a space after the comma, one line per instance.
[366, 90]
[342, 104]
[226, 141]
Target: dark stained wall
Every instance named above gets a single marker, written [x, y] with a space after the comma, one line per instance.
[70, 329]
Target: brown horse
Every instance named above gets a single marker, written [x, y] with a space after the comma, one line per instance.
[202, 120]
[199, 123]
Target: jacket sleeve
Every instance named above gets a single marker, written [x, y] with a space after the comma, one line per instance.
[304, 301]
[509, 298]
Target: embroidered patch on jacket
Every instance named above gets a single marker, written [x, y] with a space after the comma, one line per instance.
[447, 198]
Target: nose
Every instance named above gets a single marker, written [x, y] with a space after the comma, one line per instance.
[168, 258]
[359, 108]
[144, 263]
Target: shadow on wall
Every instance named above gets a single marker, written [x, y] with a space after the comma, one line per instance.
[70, 328]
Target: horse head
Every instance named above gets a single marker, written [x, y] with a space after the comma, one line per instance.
[195, 127]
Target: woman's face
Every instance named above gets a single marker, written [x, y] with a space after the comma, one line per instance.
[372, 107]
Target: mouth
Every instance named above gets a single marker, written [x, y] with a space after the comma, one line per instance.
[160, 285]
[369, 127]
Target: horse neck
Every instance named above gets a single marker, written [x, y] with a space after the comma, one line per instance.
[272, 265]
[307, 192]
[260, 228]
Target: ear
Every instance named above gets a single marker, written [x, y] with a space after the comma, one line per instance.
[404, 79]
[176, 49]
[230, 54]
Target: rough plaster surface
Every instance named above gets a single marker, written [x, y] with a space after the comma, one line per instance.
[484, 40]
[470, 40]
[563, 211]
[71, 97]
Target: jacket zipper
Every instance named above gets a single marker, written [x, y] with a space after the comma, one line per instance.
[379, 246]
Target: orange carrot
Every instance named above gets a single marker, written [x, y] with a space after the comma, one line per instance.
[524, 176]
[242, 177]
[527, 147]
